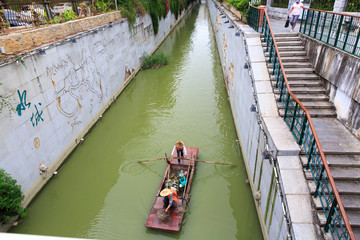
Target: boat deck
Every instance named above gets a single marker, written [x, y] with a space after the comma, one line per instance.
[173, 221]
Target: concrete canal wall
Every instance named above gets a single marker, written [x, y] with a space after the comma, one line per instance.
[341, 73]
[270, 152]
[60, 92]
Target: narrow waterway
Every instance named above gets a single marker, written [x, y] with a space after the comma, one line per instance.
[102, 192]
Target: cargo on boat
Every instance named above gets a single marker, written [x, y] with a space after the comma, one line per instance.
[179, 174]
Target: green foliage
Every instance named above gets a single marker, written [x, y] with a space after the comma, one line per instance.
[353, 6]
[155, 61]
[280, 3]
[11, 197]
[103, 5]
[56, 20]
[326, 5]
[242, 6]
[69, 15]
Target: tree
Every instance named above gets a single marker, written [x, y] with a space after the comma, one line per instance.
[10, 197]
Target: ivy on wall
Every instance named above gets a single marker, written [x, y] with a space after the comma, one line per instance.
[156, 8]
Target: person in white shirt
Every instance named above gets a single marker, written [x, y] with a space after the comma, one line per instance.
[295, 9]
[180, 150]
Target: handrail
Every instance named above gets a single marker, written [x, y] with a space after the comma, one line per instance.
[316, 138]
[337, 13]
[339, 30]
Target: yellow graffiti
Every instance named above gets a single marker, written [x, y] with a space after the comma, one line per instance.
[80, 106]
[36, 142]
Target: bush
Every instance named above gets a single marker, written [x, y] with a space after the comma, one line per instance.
[69, 15]
[242, 6]
[11, 197]
[155, 61]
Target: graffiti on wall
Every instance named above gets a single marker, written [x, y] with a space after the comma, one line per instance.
[73, 81]
[36, 115]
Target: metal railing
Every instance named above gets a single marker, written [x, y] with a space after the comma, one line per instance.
[20, 13]
[299, 121]
[335, 29]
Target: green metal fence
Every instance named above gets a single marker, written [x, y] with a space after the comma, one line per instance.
[338, 30]
[299, 121]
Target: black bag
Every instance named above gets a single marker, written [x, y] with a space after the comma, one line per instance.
[287, 22]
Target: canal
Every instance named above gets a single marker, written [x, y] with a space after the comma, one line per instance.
[103, 192]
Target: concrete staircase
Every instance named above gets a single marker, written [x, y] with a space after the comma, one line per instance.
[305, 84]
[341, 148]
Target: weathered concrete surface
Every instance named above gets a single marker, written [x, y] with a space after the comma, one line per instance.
[248, 85]
[342, 71]
[61, 94]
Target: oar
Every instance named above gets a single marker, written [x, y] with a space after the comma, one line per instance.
[203, 161]
[226, 164]
[156, 159]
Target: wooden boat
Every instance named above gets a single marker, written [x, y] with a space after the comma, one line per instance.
[157, 219]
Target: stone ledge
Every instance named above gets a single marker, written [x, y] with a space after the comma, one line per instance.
[16, 43]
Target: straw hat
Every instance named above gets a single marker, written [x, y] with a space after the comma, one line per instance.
[165, 192]
[179, 144]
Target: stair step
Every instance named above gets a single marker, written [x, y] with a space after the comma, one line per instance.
[343, 186]
[298, 70]
[350, 202]
[285, 34]
[288, 65]
[289, 54]
[341, 173]
[309, 97]
[279, 44]
[308, 76]
[291, 48]
[288, 39]
[338, 160]
[299, 83]
[353, 216]
[312, 105]
[292, 59]
[321, 113]
[301, 90]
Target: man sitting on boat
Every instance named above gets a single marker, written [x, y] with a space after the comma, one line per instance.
[170, 198]
[180, 150]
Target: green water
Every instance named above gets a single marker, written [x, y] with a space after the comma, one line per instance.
[102, 192]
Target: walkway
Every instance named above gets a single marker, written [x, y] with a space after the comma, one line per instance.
[341, 147]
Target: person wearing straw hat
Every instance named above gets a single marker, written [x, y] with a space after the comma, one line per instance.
[170, 198]
[180, 150]
[295, 9]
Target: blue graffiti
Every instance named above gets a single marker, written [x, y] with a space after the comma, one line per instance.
[22, 105]
[35, 118]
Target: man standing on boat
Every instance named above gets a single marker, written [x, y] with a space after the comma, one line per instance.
[180, 150]
[170, 198]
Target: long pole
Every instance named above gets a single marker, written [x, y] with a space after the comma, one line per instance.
[116, 4]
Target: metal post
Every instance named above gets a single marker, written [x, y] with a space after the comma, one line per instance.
[319, 181]
[75, 7]
[356, 43]
[302, 133]
[47, 9]
[311, 23]
[332, 20]
[331, 213]
[116, 4]
[287, 105]
[338, 31]
[310, 153]
[294, 117]
[306, 21]
[317, 24]
[347, 33]
[323, 27]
